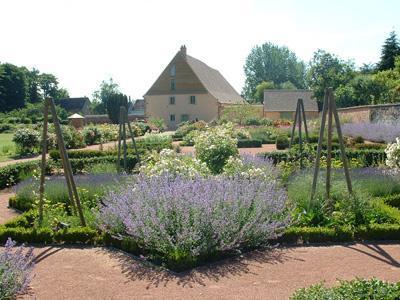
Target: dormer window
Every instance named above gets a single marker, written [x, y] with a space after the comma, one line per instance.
[172, 71]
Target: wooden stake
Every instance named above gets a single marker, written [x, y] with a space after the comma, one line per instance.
[67, 163]
[329, 147]
[43, 163]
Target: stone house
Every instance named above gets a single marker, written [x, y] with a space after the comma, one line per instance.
[188, 89]
[281, 104]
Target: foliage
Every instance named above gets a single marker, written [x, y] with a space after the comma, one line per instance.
[102, 95]
[16, 266]
[181, 221]
[353, 289]
[267, 135]
[327, 70]
[92, 135]
[259, 92]
[375, 132]
[256, 121]
[154, 141]
[239, 113]
[215, 145]
[157, 123]
[113, 104]
[249, 143]
[12, 87]
[174, 164]
[73, 139]
[27, 141]
[282, 142]
[270, 62]
[390, 49]
[12, 174]
[249, 167]
[393, 154]
[186, 127]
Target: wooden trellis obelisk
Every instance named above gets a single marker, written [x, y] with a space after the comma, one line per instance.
[72, 191]
[123, 123]
[329, 108]
[299, 118]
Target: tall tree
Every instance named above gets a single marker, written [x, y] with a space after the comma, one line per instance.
[12, 87]
[114, 102]
[327, 70]
[270, 62]
[101, 96]
[49, 85]
[390, 49]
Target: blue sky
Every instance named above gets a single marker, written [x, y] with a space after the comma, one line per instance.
[84, 42]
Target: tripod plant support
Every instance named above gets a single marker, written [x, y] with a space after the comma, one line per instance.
[72, 190]
[299, 118]
[123, 123]
[329, 109]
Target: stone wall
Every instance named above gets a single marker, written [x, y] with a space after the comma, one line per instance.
[102, 119]
[384, 113]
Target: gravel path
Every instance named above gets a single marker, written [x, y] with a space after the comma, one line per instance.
[6, 213]
[98, 273]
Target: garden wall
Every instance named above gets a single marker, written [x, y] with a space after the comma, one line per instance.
[384, 113]
[101, 119]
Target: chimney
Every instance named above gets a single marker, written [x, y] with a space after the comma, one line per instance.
[183, 51]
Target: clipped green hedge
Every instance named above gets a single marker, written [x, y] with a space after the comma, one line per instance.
[282, 142]
[392, 200]
[369, 157]
[79, 165]
[306, 235]
[249, 143]
[76, 154]
[12, 174]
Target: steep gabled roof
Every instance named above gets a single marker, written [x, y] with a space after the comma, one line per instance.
[214, 82]
[194, 76]
[286, 100]
[72, 104]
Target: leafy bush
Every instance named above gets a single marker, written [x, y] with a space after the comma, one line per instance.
[154, 142]
[157, 123]
[392, 200]
[27, 141]
[187, 127]
[393, 154]
[73, 139]
[173, 163]
[282, 142]
[92, 135]
[5, 127]
[249, 143]
[370, 146]
[215, 146]
[265, 134]
[359, 139]
[12, 174]
[181, 221]
[16, 266]
[255, 121]
[354, 289]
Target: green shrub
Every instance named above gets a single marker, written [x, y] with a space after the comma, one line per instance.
[249, 143]
[27, 141]
[80, 165]
[73, 139]
[157, 123]
[5, 127]
[154, 142]
[370, 146]
[80, 235]
[12, 174]
[378, 232]
[282, 142]
[92, 135]
[392, 200]
[305, 235]
[26, 235]
[350, 290]
[359, 140]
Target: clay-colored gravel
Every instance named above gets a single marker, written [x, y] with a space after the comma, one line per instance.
[6, 213]
[97, 273]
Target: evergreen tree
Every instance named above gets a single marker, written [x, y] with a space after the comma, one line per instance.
[390, 49]
[12, 87]
[113, 104]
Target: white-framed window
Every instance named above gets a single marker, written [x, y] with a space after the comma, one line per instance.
[172, 71]
[192, 99]
[184, 117]
[172, 100]
[172, 118]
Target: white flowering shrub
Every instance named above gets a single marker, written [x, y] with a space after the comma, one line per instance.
[250, 167]
[393, 154]
[215, 145]
[171, 162]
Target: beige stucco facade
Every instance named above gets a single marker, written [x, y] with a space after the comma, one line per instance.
[276, 115]
[159, 106]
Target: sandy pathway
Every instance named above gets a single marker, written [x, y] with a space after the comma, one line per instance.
[97, 273]
[6, 213]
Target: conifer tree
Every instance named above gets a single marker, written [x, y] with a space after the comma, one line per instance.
[390, 49]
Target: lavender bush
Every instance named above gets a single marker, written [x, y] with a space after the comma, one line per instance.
[375, 132]
[15, 270]
[184, 220]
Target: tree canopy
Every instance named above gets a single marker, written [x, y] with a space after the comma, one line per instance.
[272, 63]
[390, 49]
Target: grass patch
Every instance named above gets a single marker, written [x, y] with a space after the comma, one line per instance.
[7, 147]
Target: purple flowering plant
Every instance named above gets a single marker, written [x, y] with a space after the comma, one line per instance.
[375, 132]
[16, 266]
[181, 220]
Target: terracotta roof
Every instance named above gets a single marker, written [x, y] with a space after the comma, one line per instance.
[214, 82]
[286, 100]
